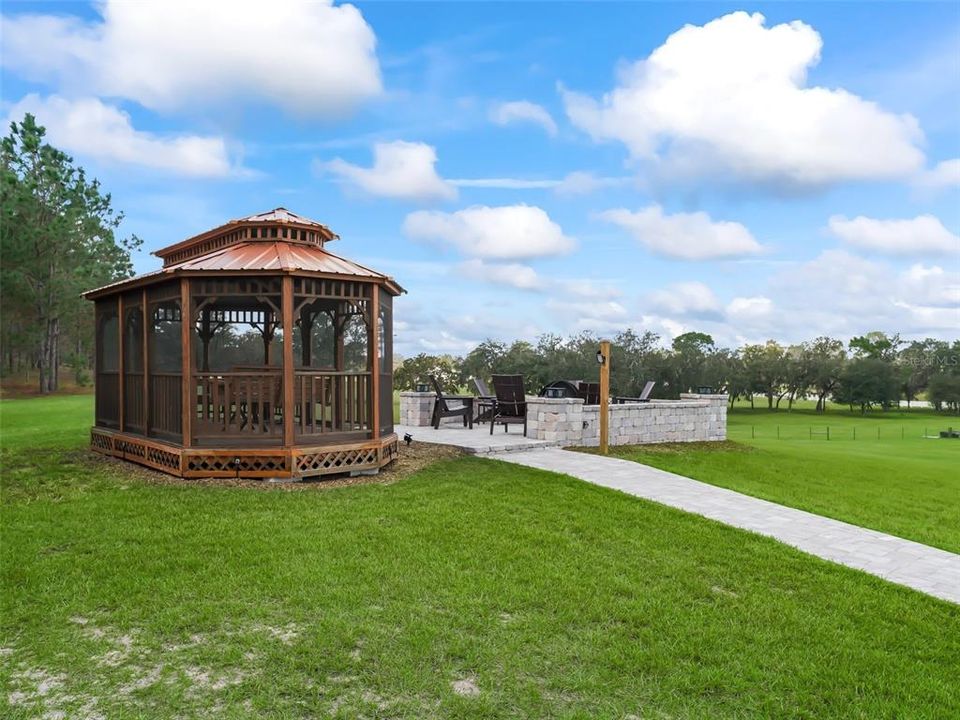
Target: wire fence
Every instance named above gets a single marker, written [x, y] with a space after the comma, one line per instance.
[842, 432]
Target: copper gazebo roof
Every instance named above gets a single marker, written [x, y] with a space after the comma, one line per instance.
[278, 240]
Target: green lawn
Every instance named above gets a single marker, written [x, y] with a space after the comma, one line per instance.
[903, 483]
[531, 594]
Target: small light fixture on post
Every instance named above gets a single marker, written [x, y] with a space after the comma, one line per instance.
[603, 357]
[422, 387]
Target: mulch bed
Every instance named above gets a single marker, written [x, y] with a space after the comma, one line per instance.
[411, 459]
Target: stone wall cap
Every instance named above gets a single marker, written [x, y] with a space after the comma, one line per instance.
[554, 401]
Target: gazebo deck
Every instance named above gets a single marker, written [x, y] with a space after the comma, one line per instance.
[338, 455]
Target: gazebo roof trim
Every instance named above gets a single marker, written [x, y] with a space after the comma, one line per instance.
[278, 216]
[261, 256]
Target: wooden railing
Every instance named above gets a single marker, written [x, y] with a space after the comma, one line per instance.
[108, 399]
[165, 404]
[330, 402]
[238, 405]
[133, 402]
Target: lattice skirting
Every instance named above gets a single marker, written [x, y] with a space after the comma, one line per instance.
[260, 463]
[146, 452]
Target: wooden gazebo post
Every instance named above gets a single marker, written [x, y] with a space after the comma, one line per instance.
[121, 343]
[339, 360]
[189, 398]
[286, 305]
[374, 355]
[147, 327]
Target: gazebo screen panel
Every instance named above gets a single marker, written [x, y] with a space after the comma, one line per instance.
[107, 390]
[133, 392]
[165, 361]
[237, 352]
[385, 339]
[333, 390]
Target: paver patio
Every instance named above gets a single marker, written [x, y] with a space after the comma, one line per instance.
[921, 567]
[478, 441]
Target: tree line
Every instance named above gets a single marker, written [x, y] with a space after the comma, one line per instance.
[57, 239]
[876, 370]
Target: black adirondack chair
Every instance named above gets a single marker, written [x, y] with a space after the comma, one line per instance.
[644, 395]
[511, 404]
[590, 392]
[485, 401]
[451, 406]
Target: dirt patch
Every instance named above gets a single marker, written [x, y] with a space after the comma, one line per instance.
[203, 680]
[287, 634]
[416, 456]
[717, 590]
[467, 687]
[411, 459]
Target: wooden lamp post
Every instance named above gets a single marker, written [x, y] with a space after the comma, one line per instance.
[603, 357]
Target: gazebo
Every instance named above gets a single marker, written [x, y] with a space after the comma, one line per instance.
[253, 352]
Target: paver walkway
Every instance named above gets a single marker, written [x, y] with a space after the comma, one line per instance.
[927, 569]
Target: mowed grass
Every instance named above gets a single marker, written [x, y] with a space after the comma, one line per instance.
[902, 483]
[474, 589]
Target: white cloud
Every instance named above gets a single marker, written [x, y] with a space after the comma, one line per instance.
[517, 275]
[856, 295]
[307, 56]
[945, 174]
[587, 289]
[505, 183]
[585, 183]
[930, 286]
[91, 128]
[923, 234]
[686, 236]
[751, 309]
[692, 299]
[509, 232]
[599, 316]
[728, 99]
[400, 170]
[575, 183]
[523, 111]
[836, 293]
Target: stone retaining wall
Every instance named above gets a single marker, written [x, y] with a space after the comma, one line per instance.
[555, 419]
[416, 410]
[693, 418]
[567, 421]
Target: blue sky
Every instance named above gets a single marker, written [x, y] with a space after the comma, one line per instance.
[762, 171]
